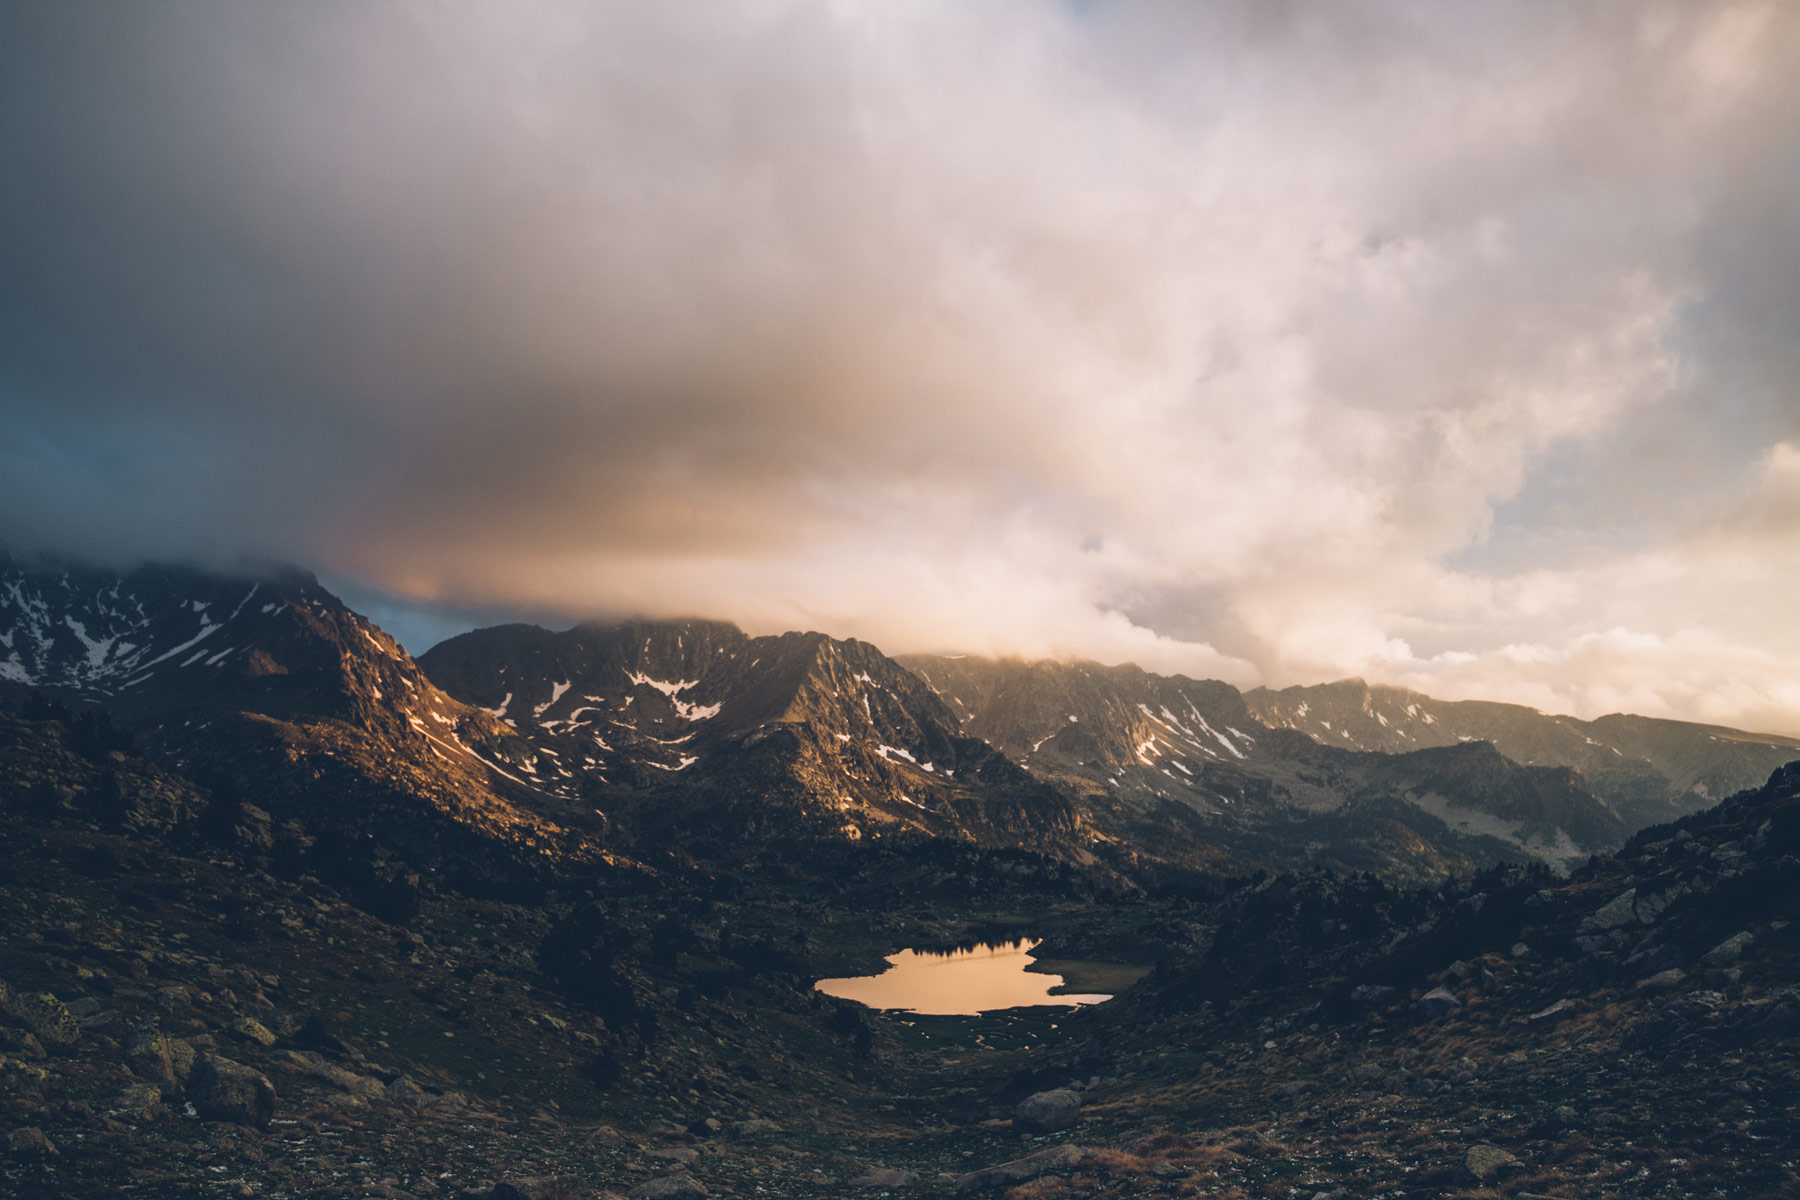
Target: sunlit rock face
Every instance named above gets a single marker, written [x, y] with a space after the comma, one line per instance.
[693, 729]
[961, 982]
[269, 681]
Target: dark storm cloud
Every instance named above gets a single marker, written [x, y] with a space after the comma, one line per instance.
[939, 324]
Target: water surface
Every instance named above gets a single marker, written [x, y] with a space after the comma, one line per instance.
[958, 983]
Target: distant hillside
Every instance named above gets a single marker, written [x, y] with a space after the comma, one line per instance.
[1650, 770]
[1170, 757]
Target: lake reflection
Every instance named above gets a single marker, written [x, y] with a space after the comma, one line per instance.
[962, 982]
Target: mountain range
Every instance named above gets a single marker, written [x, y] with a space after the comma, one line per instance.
[508, 748]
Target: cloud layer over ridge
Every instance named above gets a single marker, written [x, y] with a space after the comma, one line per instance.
[1275, 342]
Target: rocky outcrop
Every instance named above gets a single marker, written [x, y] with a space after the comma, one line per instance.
[1047, 1112]
[223, 1090]
[1048, 1161]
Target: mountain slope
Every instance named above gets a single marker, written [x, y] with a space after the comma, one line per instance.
[692, 729]
[1171, 754]
[270, 682]
[1651, 770]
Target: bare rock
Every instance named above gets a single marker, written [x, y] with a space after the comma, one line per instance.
[541, 1187]
[30, 1143]
[669, 1187]
[1486, 1162]
[1553, 1013]
[1438, 1002]
[1047, 1161]
[887, 1177]
[46, 1018]
[318, 1066]
[140, 1102]
[751, 1128]
[1662, 981]
[157, 1058]
[1047, 1112]
[1727, 951]
[222, 1090]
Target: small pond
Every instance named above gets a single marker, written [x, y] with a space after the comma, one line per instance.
[957, 983]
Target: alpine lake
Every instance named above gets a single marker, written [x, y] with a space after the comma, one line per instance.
[988, 996]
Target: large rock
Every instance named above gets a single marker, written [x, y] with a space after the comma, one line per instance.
[1620, 910]
[317, 1065]
[157, 1058]
[1047, 1112]
[887, 1177]
[1022, 1170]
[139, 1102]
[669, 1187]
[222, 1090]
[751, 1128]
[1553, 1013]
[1662, 981]
[540, 1187]
[1726, 952]
[1438, 1002]
[30, 1143]
[1485, 1162]
[46, 1018]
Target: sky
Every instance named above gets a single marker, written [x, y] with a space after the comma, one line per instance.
[1454, 346]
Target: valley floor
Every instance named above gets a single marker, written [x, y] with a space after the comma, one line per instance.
[436, 1061]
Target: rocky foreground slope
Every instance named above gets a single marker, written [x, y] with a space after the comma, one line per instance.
[192, 1007]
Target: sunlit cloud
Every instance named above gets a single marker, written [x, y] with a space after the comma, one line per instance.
[1270, 342]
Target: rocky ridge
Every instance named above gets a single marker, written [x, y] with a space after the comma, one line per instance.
[693, 730]
[1650, 770]
[267, 683]
[1181, 760]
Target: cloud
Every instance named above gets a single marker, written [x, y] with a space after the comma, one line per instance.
[1236, 339]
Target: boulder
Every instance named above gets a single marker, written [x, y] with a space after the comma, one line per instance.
[1047, 1112]
[669, 1187]
[1047, 1161]
[1662, 981]
[751, 1128]
[223, 1090]
[30, 1143]
[1485, 1162]
[156, 1058]
[1553, 1013]
[1620, 910]
[21, 1043]
[887, 1177]
[317, 1065]
[1727, 951]
[540, 1187]
[1438, 1002]
[46, 1018]
[252, 1030]
[140, 1102]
